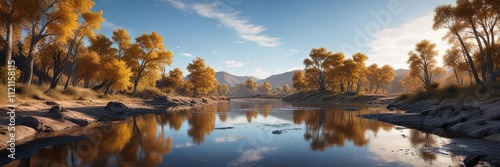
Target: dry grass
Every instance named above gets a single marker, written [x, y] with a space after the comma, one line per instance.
[149, 93]
[463, 93]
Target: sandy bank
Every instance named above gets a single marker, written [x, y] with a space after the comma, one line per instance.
[38, 118]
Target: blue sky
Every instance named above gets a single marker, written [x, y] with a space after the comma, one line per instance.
[265, 37]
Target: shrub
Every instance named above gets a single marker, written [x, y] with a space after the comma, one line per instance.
[29, 91]
[149, 93]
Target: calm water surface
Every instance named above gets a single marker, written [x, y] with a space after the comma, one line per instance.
[251, 133]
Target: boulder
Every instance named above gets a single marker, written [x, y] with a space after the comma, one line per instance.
[117, 108]
[57, 109]
[44, 124]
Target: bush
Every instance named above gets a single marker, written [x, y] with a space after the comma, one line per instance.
[148, 93]
[29, 91]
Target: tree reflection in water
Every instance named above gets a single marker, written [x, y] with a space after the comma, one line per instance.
[332, 127]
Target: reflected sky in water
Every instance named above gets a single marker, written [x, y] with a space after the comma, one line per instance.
[250, 133]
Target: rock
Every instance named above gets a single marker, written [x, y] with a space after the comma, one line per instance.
[117, 108]
[277, 132]
[78, 118]
[43, 124]
[472, 160]
[57, 109]
[51, 103]
[495, 137]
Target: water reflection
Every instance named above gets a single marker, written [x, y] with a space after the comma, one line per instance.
[186, 137]
[329, 128]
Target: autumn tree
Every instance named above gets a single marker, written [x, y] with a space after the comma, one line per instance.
[453, 59]
[115, 75]
[286, 89]
[378, 77]
[299, 82]
[422, 61]
[251, 85]
[56, 21]
[222, 89]
[174, 81]
[89, 67]
[476, 22]
[387, 75]
[278, 90]
[372, 76]
[266, 88]
[147, 57]
[360, 73]
[122, 39]
[410, 83]
[12, 15]
[202, 77]
[102, 45]
[317, 65]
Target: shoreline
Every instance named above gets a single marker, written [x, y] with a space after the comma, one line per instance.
[36, 119]
[478, 119]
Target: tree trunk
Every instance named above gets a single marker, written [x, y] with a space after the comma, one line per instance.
[8, 50]
[136, 83]
[469, 59]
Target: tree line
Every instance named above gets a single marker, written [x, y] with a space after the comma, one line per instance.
[47, 40]
[328, 71]
[473, 58]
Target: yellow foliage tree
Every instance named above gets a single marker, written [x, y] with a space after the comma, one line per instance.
[116, 75]
[56, 19]
[299, 83]
[122, 39]
[174, 81]
[422, 61]
[147, 57]
[251, 85]
[317, 64]
[89, 67]
[266, 88]
[202, 77]
[102, 45]
[286, 89]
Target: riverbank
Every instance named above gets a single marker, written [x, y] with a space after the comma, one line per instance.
[315, 96]
[35, 118]
[472, 119]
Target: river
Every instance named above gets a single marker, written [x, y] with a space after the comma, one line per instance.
[251, 132]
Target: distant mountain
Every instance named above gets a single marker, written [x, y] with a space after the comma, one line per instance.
[395, 86]
[279, 79]
[230, 79]
[401, 72]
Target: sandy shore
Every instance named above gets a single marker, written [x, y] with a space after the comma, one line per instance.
[41, 118]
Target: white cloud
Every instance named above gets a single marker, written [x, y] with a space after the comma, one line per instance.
[391, 46]
[186, 54]
[228, 17]
[295, 68]
[185, 145]
[232, 63]
[177, 4]
[260, 73]
[214, 51]
[292, 52]
[251, 156]
[177, 47]
[228, 139]
[110, 25]
[240, 42]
